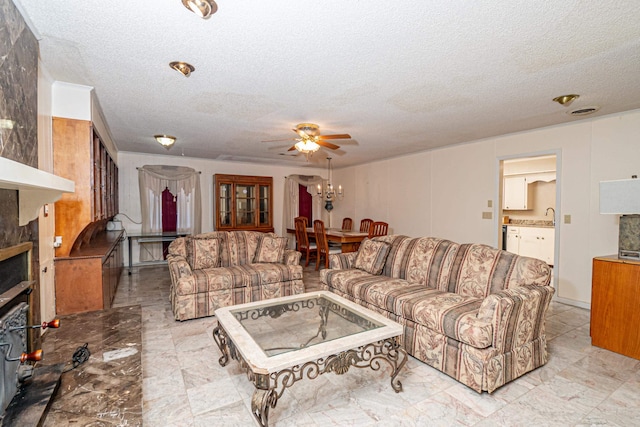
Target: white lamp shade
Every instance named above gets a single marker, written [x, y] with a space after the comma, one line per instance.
[621, 197]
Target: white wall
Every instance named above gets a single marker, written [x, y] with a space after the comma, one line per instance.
[130, 195]
[443, 192]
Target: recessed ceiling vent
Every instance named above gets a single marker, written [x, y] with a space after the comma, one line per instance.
[583, 111]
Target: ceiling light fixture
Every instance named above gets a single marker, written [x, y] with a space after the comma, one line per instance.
[166, 141]
[203, 8]
[307, 146]
[566, 100]
[182, 67]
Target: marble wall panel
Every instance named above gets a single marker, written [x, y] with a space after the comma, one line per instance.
[19, 105]
[18, 141]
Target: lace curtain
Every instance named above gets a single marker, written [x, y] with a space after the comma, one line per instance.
[184, 184]
[291, 200]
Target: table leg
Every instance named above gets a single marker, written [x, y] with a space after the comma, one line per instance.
[220, 337]
[130, 257]
[261, 402]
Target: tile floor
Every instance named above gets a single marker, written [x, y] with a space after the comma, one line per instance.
[183, 384]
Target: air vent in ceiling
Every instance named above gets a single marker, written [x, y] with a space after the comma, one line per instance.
[583, 111]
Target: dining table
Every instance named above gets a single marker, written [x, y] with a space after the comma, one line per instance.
[348, 240]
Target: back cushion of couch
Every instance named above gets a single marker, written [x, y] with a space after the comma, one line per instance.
[423, 260]
[239, 247]
[479, 270]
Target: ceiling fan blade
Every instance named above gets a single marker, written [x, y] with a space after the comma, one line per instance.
[293, 147]
[278, 140]
[336, 136]
[327, 144]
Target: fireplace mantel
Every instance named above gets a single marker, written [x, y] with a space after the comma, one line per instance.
[35, 187]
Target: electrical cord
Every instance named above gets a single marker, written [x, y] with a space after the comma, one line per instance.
[80, 356]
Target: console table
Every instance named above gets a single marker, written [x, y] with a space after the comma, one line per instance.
[615, 298]
[150, 238]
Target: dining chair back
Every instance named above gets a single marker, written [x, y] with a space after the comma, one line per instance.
[378, 228]
[302, 239]
[347, 224]
[323, 244]
[365, 224]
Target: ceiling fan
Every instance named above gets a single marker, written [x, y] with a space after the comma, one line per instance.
[310, 140]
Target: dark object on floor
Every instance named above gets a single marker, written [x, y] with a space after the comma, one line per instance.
[81, 355]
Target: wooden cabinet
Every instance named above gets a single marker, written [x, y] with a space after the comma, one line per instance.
[87, 279]
[80, 155]
[89, 261]
[516, 193]
[615, 298]
[534, 242]
[243, 202]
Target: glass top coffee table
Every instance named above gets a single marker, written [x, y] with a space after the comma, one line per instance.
[283, 340]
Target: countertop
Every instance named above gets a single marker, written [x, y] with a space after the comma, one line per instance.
[531, 223]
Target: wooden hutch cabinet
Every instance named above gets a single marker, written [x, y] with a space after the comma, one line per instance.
[243, 202]
[89, 261]
[615, 298]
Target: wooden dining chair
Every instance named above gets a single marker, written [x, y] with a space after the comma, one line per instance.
[347, 224]
[365, 224]
[302, 239]
[323, 244]
[378, 228]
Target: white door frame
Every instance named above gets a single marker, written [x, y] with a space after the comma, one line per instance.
[556, 249]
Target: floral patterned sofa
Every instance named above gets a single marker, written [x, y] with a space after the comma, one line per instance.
[224, 268]
[474, 312]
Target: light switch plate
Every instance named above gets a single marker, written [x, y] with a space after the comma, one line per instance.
[487, 215]
[489, 203]
[567, 219]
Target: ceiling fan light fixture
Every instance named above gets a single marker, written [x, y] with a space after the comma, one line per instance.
[307, 146]
[166, 141]
[308, 129]
[203, 8]
[183, 68]
[566, 100]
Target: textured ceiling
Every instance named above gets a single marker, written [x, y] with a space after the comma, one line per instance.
[400, 77]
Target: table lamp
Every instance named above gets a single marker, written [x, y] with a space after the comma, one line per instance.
[622, 197]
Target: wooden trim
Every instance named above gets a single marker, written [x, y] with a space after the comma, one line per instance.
[6, 253]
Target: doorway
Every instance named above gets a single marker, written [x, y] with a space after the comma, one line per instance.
[529, 206]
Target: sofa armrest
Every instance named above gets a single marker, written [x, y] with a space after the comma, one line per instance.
[342, 261]
[292, 257]
[178, 267]
[517, 314]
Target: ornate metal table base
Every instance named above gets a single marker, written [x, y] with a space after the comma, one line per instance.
[270, 387]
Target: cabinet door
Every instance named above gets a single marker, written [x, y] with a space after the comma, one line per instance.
[515, 193]
[224, 205]
[530, 243]
[265, 202]
[547, 244]
[245, 205]
[513, 240]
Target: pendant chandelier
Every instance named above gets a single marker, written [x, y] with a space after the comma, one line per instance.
[329, 194]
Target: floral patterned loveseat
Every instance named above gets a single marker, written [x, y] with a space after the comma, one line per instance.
[225, 268]
[474, 312]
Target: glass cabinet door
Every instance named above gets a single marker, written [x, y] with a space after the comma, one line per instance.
[224, 204]
[264, 205]
[245, 205]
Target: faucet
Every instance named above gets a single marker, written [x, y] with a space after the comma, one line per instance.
[554, 215]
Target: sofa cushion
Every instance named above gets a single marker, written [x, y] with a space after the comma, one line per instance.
[371, 256]
[202, 252]
[247, 275]
[239, 247]
[480, 270]
[423, 260]
[450, 314]
[271, 249]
